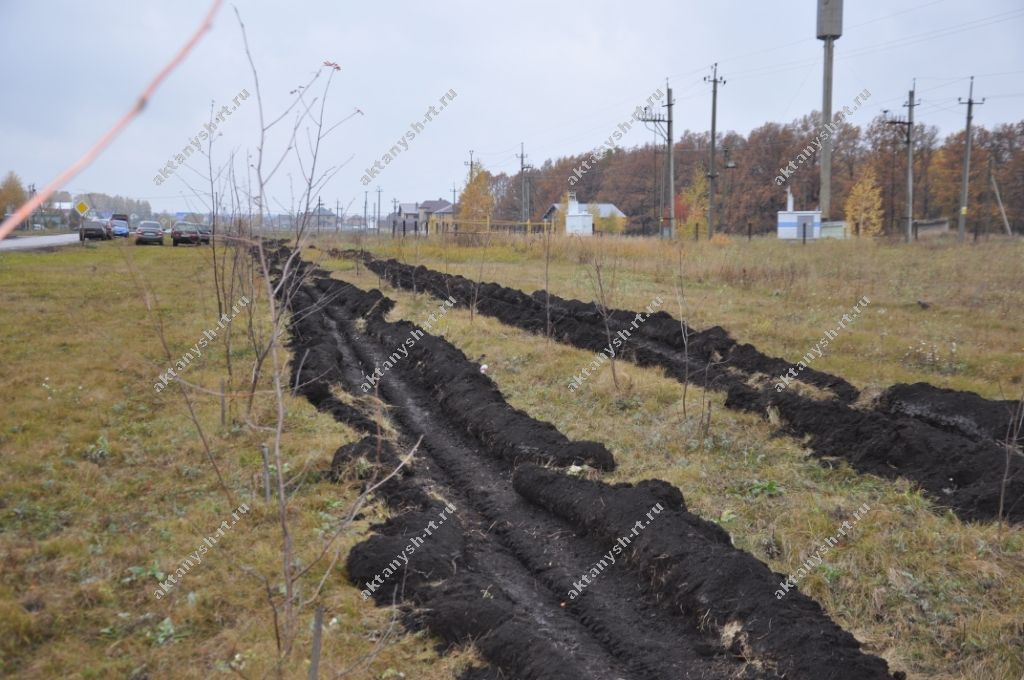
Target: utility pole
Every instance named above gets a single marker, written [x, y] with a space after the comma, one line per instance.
[31, 195]
[453, 206]
[829, 29]
[911, 103]
[470, 164]
[908, 124]
[525, 197]
[712, 176]
[671, 164]
[376, 222]
[962, 221]
[986, 197]
[366, 203]
[999, 199]
[319, 204]
[658, 119]
[526, 182]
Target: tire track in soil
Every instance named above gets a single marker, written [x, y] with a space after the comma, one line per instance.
[459, 473]
[947, 442]
[497, 575]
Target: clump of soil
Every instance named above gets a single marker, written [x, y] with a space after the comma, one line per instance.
[965, 413]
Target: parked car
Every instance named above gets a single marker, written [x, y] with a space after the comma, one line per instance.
[119, 228]
[183, 232]
[95, 229]
[204, 233]
[149, 232]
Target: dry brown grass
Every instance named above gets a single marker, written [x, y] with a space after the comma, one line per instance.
[104, 482]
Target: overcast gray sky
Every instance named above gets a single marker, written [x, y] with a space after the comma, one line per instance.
[558, 76]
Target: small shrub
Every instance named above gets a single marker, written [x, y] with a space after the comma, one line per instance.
[97, 452]
[765, 488]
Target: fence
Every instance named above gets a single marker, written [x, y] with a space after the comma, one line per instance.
[414, 227]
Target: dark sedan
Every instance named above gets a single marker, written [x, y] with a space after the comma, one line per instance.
[95, 229]
[185, 233]
[149, 232]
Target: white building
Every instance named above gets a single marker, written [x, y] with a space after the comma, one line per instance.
[798, 224]
[579, 217]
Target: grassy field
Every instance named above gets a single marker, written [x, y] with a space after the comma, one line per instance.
[106, 482]
[936, 597]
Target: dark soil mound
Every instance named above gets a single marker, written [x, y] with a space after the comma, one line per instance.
[692, 565]
[942, 440]
[963, 412]
[654, 339]
[958, 472]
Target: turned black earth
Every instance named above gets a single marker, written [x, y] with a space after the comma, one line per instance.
[950, 443]
[497, 573]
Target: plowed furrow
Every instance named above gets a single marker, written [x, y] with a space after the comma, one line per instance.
[498, 571]
[950, 443]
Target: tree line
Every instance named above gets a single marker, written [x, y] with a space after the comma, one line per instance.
[873, 156]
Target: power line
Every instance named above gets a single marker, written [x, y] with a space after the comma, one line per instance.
[768, 69]
[806, 40]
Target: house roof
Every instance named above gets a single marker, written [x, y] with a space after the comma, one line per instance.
[603, 209]
[434, 206]
[322, 210]
[447, 210]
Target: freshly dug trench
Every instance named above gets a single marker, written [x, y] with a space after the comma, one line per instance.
[655, 340]
[474, 401]
[975, 478]
[965, 413]
[690, 563]
[499, 574]
[915, 433]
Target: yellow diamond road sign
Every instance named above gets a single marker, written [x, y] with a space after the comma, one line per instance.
[82, 207]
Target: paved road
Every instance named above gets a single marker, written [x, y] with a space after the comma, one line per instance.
[30, 242]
